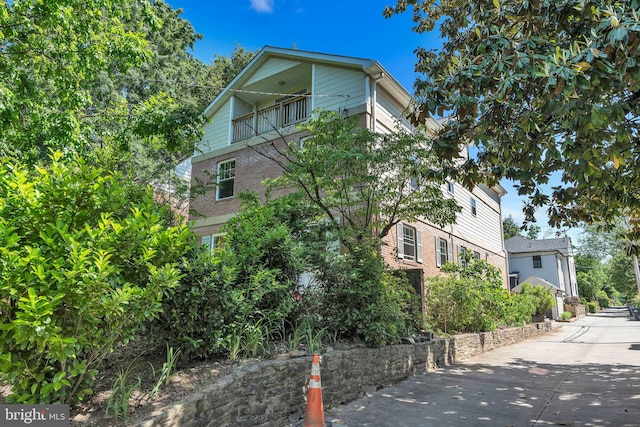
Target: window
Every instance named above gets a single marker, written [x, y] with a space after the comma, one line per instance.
[462, 261]
[409, 243]
[474, 208]
[226, 178]
[213, 241]
[450, 187]
[443, 252]
[537, 261]
[476, 255]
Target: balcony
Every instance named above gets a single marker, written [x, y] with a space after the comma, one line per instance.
[288, 112]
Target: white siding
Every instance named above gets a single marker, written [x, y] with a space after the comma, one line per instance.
[388, 112]
[483, 229]
[216, 131]
[523, 265]
[333, 84]
[271, 67]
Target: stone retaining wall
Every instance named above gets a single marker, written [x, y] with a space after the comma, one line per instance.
[272, 393]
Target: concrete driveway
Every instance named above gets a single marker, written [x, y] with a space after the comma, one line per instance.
[585, 373]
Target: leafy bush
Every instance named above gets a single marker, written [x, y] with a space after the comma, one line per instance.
[592, 307]
[543, 298]
[603, 299]
[363, 298]
[84, 262]
[233, 300]
[566, 315]
[470, 299]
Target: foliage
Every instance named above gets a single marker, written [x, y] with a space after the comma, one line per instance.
[635, 301]
[112, 81]
[363, 299]
[603, 299]
[566, 315]
[590, 275]
[366, 181]
[592, 307]
[542, 298]
[542, 89]
[84, 262]
[510, 228]
[50, 53]
[621, 274]
[121, 393]
[470, 299]
[229, 301]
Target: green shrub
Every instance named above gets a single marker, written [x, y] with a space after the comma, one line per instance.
[84, 263]
[235, 299]
[592, 306]
[470, 299]
[566, 315]
[363, 298]
[542, 297]
[603, 299]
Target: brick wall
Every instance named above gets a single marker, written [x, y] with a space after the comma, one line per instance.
[252, 167]
[272, 393]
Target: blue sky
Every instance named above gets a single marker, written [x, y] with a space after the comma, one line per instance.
[347, 27]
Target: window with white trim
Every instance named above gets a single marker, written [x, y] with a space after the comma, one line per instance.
[474, 207]
[409, 243]
[213, 241]
[450, 187]
[226, 178]
[443, 252]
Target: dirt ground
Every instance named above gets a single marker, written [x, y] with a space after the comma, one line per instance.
[145, 362]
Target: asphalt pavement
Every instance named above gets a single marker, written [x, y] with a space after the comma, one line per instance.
[584, 373]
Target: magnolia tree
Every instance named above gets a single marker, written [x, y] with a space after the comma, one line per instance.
[543, 89]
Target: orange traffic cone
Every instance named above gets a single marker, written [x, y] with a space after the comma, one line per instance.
[314, 416]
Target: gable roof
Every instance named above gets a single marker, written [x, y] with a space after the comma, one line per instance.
[537, 281]
[368, 66]
[520, 244]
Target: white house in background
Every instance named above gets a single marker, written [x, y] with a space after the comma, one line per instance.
[548, 259]
[279, 89]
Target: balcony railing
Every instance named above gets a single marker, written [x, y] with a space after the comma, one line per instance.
[283, 114]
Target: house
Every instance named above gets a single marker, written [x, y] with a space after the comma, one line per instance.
[279, 89]
[548, 259]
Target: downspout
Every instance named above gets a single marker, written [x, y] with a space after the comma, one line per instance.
[504, 250]
[313, 87]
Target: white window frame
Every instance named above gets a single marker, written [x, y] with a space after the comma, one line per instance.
[225, 176]
[450, 187]
[417, 243]
[213, 241]
[443, 252]
[474, 207]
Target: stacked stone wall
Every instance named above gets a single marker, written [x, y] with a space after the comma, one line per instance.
[272, 393]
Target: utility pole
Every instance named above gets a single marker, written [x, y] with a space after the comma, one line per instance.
[636, 270]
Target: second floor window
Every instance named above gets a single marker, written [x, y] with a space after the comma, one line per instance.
[226, 178]
[474, 208]
[537, 261]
